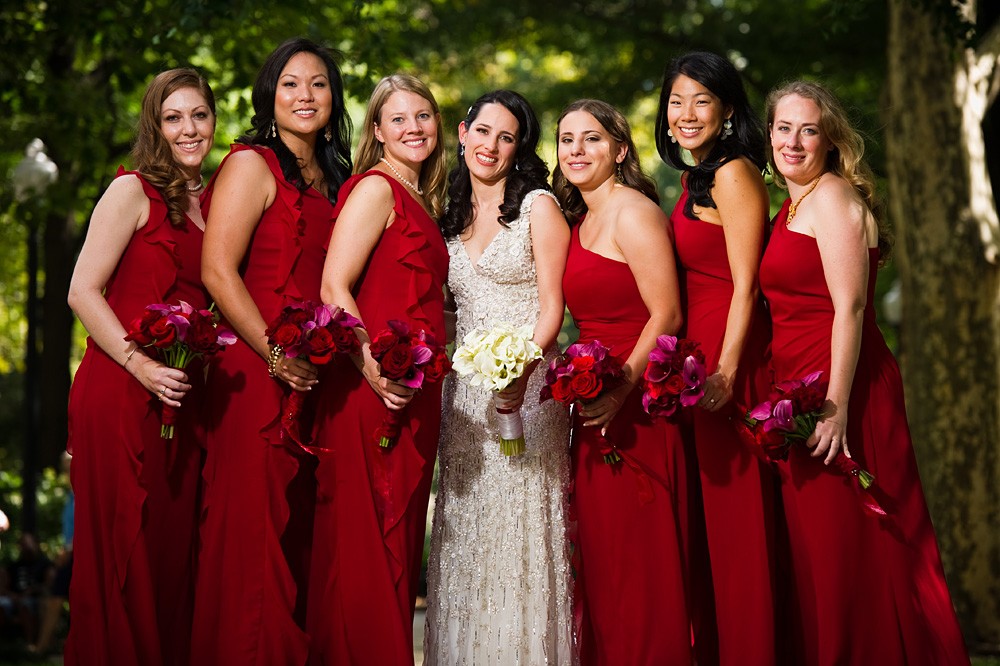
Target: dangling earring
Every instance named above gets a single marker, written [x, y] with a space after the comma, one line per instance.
[274, 130]
[727, 129]
[461, 149]
[670, 133]
[328, 134]
[517, 167]
[618, 173]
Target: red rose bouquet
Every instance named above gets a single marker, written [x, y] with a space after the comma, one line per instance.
[674, 377]
[313, 331]
[408, 358]
[789, 416]
[178, 334]
[580, 374]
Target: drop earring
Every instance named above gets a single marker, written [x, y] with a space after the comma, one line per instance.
[670, 133]
[461, 149]
[727, 129]
[328, 134]
[274, 130]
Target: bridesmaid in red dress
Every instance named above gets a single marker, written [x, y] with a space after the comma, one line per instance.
[387, 260]
[270, 212]
[136, 493]
[630, 587]
[718, 225]
[866, 591]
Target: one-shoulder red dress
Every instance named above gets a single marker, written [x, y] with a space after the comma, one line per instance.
[136, 518]
[372, 504]
[257, 514]
[866, 591]
[737, 489]
[630, 579]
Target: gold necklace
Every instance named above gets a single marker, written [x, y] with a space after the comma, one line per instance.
[794, 207]
[403, 180]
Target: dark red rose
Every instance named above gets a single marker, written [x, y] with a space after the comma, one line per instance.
[772, 443]
[163, 333]
[201, 335]
[808, 399]
[583, 363]
[586, 385]
[287, 335]
[382, 343]
[321, 346]
[561, 390]
[139, 332]
[437, 368]
[675, 384]
[299, 317]
[397, 363]
[345, 340]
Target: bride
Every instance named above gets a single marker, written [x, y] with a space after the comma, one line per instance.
[498, 574]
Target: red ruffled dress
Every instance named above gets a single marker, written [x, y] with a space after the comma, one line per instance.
[136, 493]
[372, 506]
[737, 489]
[630, 574]
[866, 591]
[259, 491]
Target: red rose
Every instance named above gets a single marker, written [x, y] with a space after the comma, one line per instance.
[345, 340]
[201, 335]
[772, 443]
[437, 368]
[299, 317]
[586, 385]
[583, 363]
[397, 363]
[139, 332]
[163, 333]
[321, 346]
[382, 343]
[561, 390]
[675, 384]
[287, 335]
[808, 399]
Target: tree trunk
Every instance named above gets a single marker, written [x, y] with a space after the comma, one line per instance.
[945, 245]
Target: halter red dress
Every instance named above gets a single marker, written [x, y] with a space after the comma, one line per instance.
[737, 489]
[136, 518]
[259, 492]
[372, 503]
[630, 578]
[866, 591]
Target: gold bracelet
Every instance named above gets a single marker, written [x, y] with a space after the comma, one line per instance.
[128, 356]
[272, 359]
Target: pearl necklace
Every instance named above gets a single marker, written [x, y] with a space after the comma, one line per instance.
[403, 180]
[197, 188]
[794, 207]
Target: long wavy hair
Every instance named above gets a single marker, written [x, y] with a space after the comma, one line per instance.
[747, 140]
[846, 159]
[433, 172]
[630, 172]
[528, 173]
[332, 155]
[151, 153]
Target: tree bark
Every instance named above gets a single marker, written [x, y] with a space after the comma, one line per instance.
[951, 303]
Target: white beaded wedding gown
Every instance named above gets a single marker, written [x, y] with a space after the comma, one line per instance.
[498, 574]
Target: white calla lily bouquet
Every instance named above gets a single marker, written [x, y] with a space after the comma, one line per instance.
[494, 359]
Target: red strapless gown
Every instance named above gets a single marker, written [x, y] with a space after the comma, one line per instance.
[136, 493]
[737, 490]
[630, 581]
[372, 501]
[257, 515]
[864, 592]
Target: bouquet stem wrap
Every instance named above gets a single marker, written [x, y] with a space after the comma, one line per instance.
[511, 428]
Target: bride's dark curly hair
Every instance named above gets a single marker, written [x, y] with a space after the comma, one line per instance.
[747, 140]
[528, 172]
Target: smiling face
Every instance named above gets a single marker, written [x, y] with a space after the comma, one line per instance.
[490, 143]
[188, 125]
[588, 155]
[798, 143]
[303, 101]
[695, 115]
[407, 128]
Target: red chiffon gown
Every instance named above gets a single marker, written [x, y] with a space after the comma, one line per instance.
[259, 493]
[372, 504]
[866, 591]
[136, 517]
[630, 574]
[737, 489]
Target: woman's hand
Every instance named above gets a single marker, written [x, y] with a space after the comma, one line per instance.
[830, 436]
[601, 410]
[168, 384]
[396, 396]
[718, 392]
[512, 397]
[298, 373]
